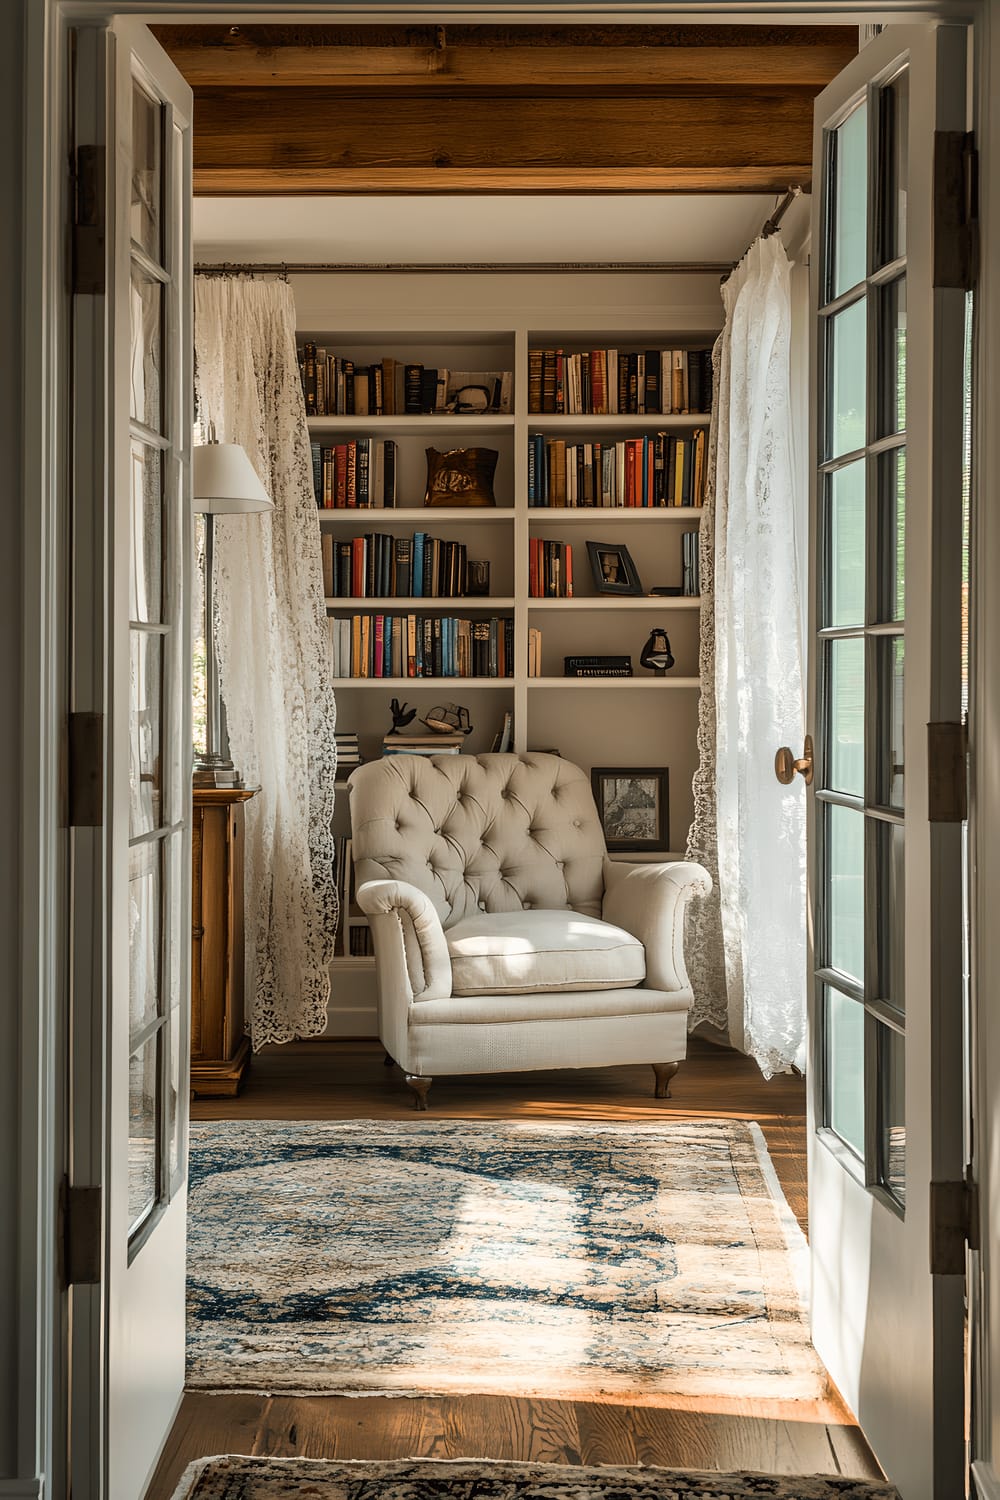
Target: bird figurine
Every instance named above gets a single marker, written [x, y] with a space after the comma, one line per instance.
[656, 653]
[400, 718]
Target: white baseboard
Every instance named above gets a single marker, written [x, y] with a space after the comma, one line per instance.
[985, 1481]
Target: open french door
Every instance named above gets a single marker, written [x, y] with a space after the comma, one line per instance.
[887, 1157]
[130, 755]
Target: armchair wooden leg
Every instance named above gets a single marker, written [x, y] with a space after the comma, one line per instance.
[420, 1087]
[388, 1062]
[664, 1072]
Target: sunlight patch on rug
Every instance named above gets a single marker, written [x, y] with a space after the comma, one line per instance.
[437, 1258]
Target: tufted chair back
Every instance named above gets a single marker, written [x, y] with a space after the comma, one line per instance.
[475, 833]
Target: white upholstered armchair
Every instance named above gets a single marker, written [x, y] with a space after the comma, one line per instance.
[505, 938]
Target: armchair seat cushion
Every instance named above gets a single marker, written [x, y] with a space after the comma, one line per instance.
[533, 952]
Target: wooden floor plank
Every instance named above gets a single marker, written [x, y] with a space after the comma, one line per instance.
[335, 1081]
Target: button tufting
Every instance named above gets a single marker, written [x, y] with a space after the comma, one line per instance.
[526, 905]
[576, 823]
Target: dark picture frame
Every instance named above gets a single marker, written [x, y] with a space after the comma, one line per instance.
[613, 569]
[633, 804]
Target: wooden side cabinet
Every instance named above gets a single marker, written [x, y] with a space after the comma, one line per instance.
[220, 1048]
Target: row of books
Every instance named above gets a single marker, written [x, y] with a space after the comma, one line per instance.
[343, 873]
[658, 470]
[609, 382]
[550, 569]
[360, 472]
[422, 744]
[348, 752]
[421, 646]
[691, 564]
[362, 945]
[380, 566]
[333, 385]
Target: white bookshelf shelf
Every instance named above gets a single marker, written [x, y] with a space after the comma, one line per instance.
[415, 604]
[558, 515]
[440, 422]
[604, 684]
[613, 602]
[409, 514]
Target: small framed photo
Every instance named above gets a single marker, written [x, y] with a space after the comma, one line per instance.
[633, 805]
[613, 569]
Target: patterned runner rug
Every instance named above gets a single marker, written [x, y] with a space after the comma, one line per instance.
[438, 1258]
[233, 1478]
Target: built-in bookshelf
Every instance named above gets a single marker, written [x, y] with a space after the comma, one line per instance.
[637, 720]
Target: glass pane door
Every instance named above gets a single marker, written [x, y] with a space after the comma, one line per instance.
[861, 651]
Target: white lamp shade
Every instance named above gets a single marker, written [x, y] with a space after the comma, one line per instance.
[225, 481]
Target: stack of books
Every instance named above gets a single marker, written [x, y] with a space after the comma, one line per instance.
[356, 474]
[422, 744]
[597, 666]
[660, 470]
[550, 569]
[421, 646]
[348, 753]
[342, 869]
[609, 382]
[333, 385]
[380, 566]
[691, 564]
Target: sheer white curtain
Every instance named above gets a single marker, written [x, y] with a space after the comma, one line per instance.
[749, 826]
[272, 642]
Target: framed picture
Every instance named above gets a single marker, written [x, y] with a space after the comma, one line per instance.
[613, 569]
[633, 805]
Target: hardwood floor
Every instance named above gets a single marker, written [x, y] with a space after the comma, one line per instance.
[346, 1080]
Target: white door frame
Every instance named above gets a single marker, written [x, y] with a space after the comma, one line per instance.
[34, 441]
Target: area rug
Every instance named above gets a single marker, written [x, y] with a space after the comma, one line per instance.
[233, 1478]
[585, 1260]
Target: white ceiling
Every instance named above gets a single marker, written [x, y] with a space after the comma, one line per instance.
[490, 229]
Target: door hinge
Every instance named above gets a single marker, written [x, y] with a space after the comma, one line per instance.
[85, 771]
[954, 1225]
[956, 209]
[89, 249]
[947, 773]
[81, 1211]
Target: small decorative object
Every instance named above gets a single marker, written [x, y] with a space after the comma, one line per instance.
[400, 717]
[448, 718]
[463, 476]
[632, 803]
[613, 569]
[470, 398]
[656, 653]
[477, 578]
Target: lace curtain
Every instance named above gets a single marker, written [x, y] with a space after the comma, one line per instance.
[748, 953]
[272, 645]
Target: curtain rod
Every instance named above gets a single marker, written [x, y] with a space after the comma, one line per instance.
[285, 269]
[773, 224]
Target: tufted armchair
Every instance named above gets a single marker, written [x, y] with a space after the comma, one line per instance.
[505, 938]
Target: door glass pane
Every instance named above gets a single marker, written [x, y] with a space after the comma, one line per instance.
[144, 218]
[846, 898]
[849, 205]
[145, 812]
[892, 358]
[892, 536]
[846, 545]
[146, 395]
[845, 1069]
[889, 874]
[894, 110]
[889, 772]
[146, 559]
[846, 749]
[144, 898]
[890, 1051]
[142, 1095]
[847, 385]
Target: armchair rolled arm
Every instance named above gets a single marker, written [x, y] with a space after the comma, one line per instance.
[649, 900]
[408, 937]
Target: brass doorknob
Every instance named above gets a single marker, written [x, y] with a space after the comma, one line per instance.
[785, 764]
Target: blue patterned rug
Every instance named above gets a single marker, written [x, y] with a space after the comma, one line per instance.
[234, 1478]
[438, 1258]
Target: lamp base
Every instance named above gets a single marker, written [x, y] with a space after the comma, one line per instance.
[217, 771]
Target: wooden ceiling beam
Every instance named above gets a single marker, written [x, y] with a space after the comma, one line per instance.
[515, 67]
[272, 141]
